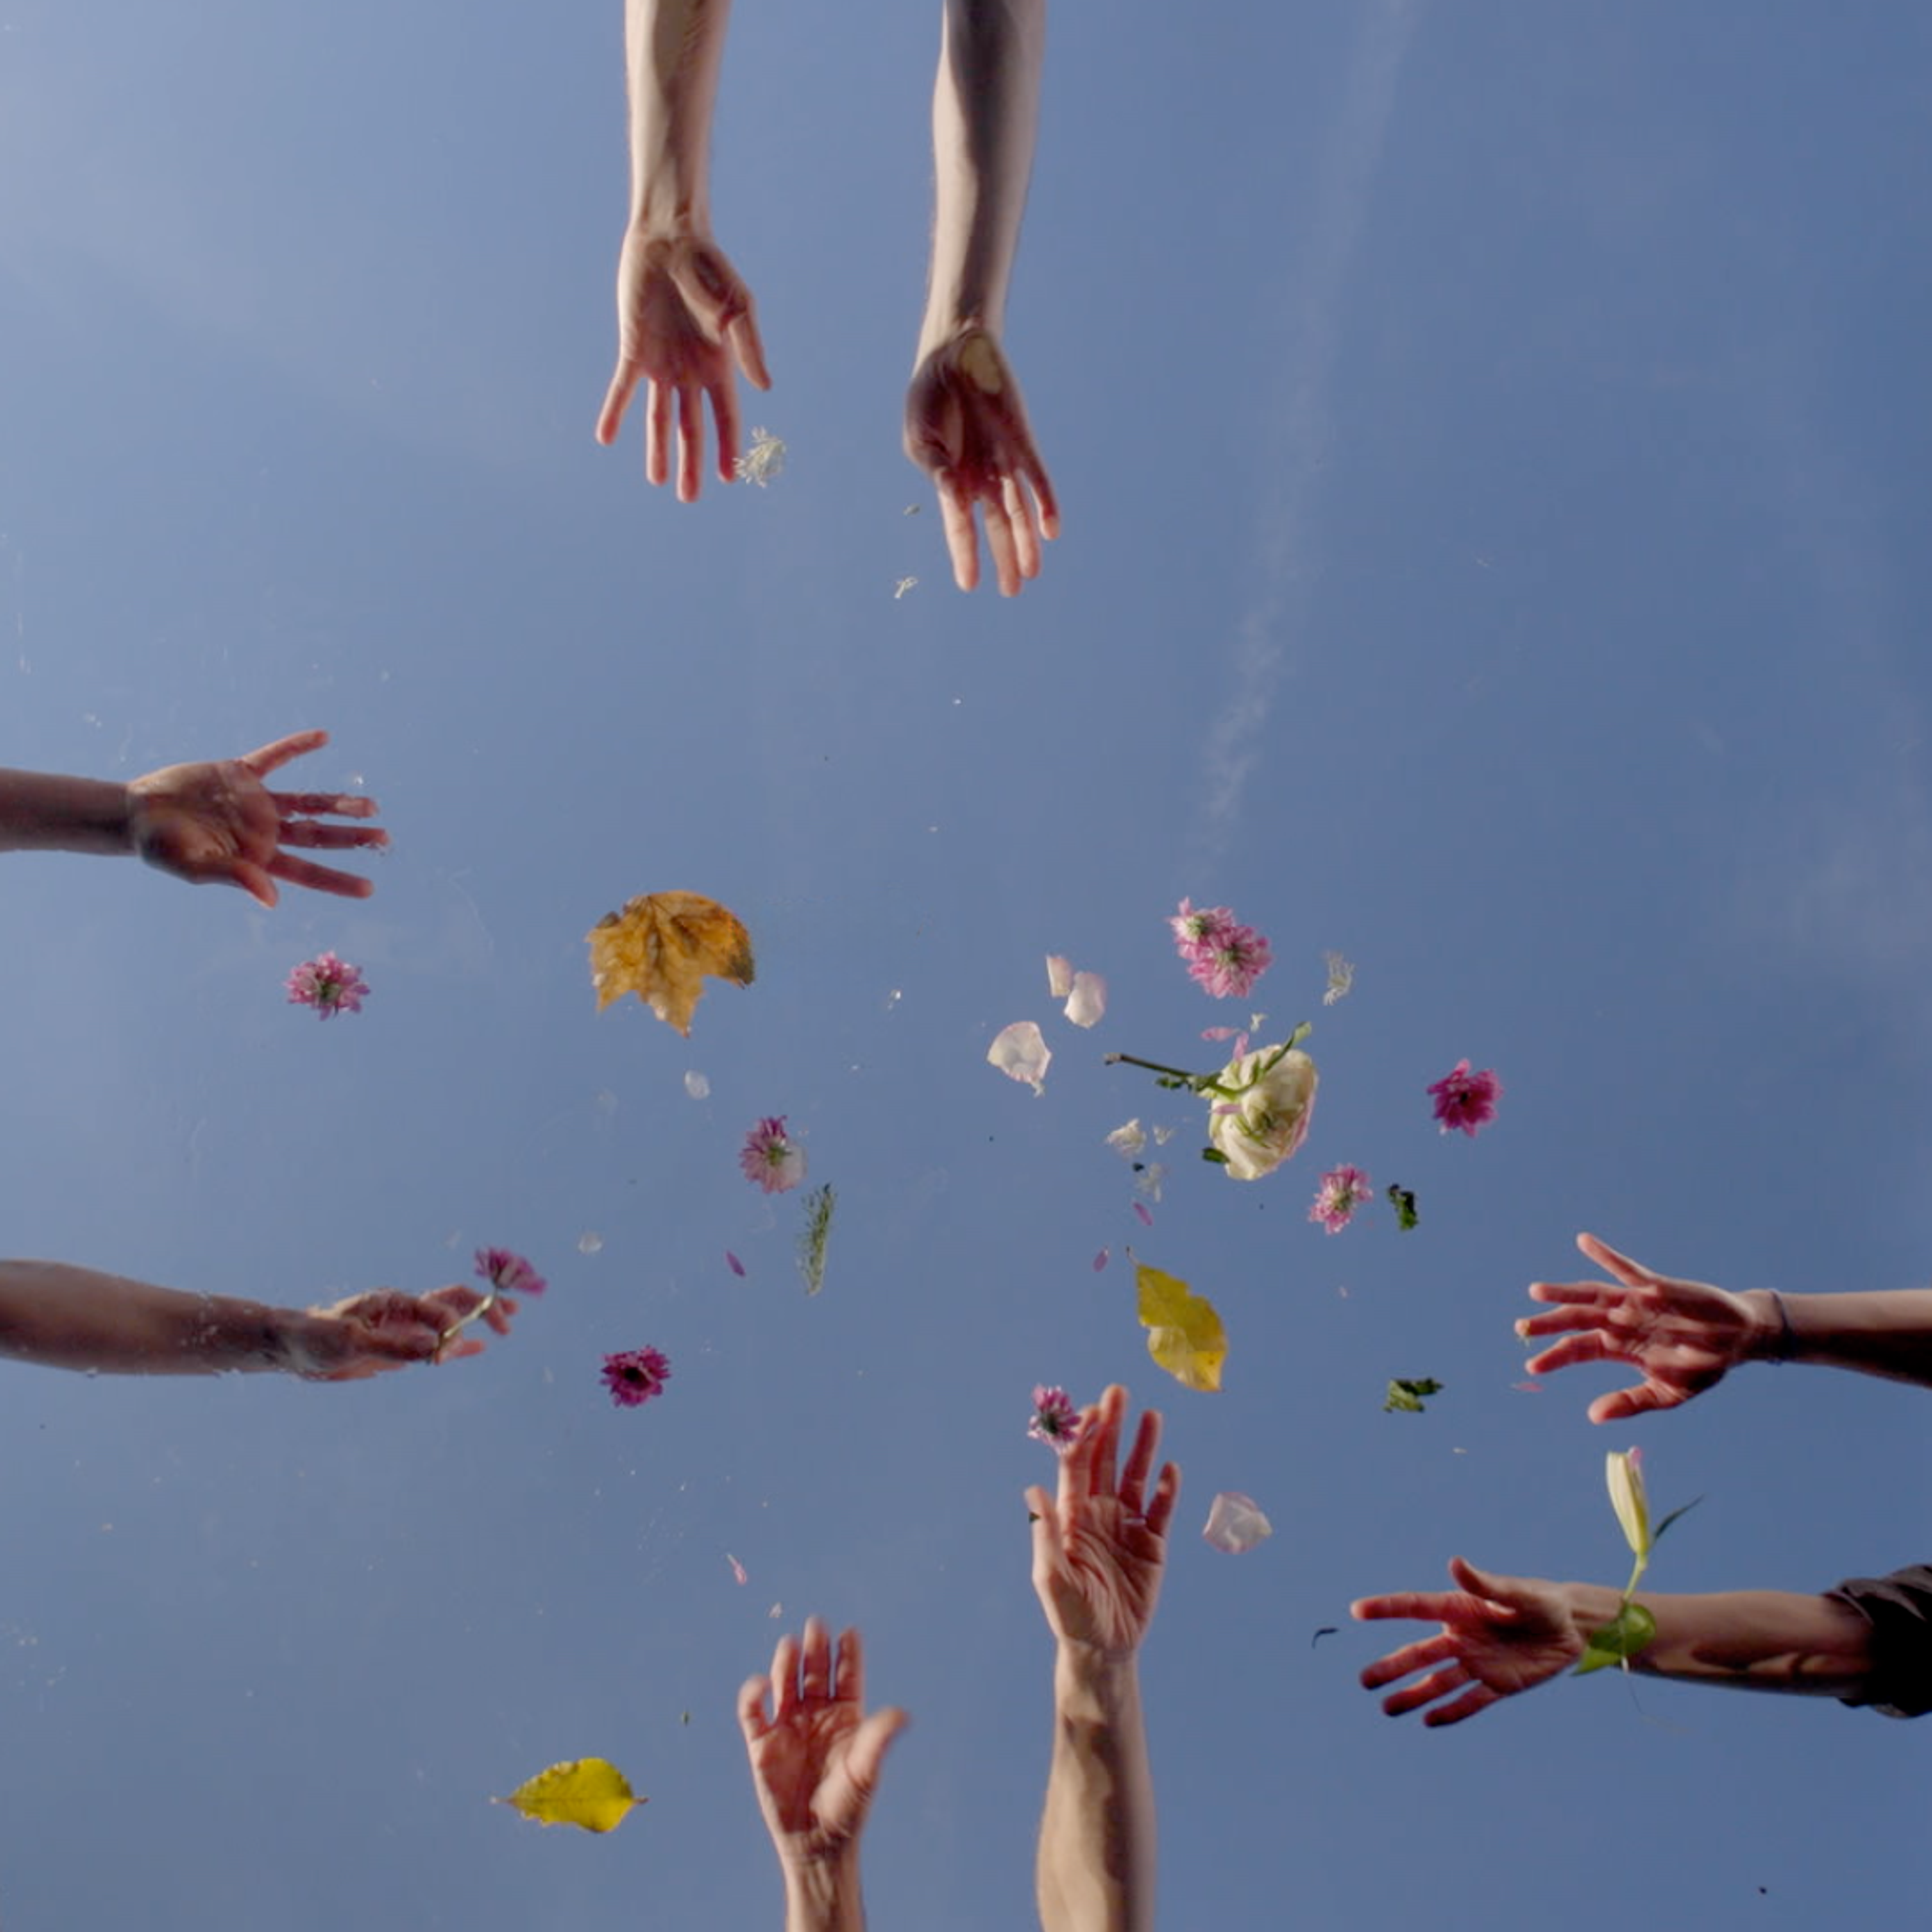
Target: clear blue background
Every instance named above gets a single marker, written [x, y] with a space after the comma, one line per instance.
[1492, 449]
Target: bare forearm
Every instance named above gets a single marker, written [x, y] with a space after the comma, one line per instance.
[985, 107]
[40, 811]
[1752, 1639]
[63, 1317]
[673, 50]
[1095, 1870]
[825, 1897]
[1887, 1332]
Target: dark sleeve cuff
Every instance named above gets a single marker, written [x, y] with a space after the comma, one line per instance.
[1899, 1609]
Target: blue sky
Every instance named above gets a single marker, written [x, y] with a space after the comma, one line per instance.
[1493, 487]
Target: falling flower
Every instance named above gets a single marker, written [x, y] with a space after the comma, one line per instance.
[770, 1158]
[329, 985]
[508, 1273]
[635, 1375]
[1020, 1053]
[1229, 967]
[732, 1262]
[1342, 1191]
[1087, 1003]
[1056, 1419]
[1264, 1118]
[1129, 1139]
[1465, 1099]
[1194, 926]
[1235, 1524]
[762, 461]
[1341, 978]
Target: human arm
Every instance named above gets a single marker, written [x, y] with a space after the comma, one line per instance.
[214, 821]
[683, 313]
[1502, 1635]
[815, 1759]
[965, 422]
[64, 1317]
[1684, 1337]
[1099, 1549]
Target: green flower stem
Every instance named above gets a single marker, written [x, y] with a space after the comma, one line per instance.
[1152, 1066]
[456, 1327]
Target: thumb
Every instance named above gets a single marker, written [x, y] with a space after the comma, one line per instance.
[1479, 1582]
[874, 1739]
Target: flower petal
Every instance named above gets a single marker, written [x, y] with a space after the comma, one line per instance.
[1020, 1053]
[1236, 1524]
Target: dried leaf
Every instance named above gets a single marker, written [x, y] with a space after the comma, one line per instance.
[1236, 1524]
[1406, 1397]
[1184, 1333]
[590, 1792]
[662, 946]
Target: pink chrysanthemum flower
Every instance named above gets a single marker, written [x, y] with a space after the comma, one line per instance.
[1198, 925]
[770, 1157]
[329, 985]
[1465, 1099]
[636, 1375]
[1229, 966]
[508, 1273]
[1342, 1191]
[1056, 1419]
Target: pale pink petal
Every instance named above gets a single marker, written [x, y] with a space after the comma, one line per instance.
[1059, 975]
[1020, 1053]
[1219, 1032]
[1235, 1524]
[1088, 1002]
[737, 1568]
[737, 1267]
[1145, 1212]
[1100, 1259]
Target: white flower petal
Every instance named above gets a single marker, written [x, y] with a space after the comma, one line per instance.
[1128, 1139]
[1235, 1524]
[1020, 1053]
[1059, 975]
[1087, 1001]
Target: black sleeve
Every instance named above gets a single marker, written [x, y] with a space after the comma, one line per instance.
[1899, 1609]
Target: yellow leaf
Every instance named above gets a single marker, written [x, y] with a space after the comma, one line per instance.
[589, 1792]
[1184, 1333]
[661, 947]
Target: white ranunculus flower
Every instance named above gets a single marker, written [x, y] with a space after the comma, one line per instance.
[1262, 1117]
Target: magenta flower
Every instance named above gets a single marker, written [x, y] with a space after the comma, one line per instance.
[508, 1273]
[1343, 1190]
[636, 1375]
[1056, 1419]
[770, 1158]
[329, 985]
[1465, 1100]
[1229, 966]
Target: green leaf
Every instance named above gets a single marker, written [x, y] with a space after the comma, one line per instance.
[812, 1243]
[1215, 1155]
[1632, 1630]
[1683, 1509]
[1406, 1395]
[1402, 1200]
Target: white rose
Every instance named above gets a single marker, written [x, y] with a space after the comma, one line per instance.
[1260, 1121]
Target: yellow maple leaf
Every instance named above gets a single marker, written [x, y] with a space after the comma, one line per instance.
[661, 947]
[588, 1792]
[1184, 1333]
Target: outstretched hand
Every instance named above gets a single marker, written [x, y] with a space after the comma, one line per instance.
[815, 1759]
[1099, 1546]
[683, 315]
[385, 1329]
[1683, 1336]
[966, 426]
[216, 822]
[1500, 1635]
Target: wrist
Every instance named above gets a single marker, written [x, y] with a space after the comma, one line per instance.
[823, 1890]
[1770, 1337]
[1091, 1680]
